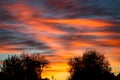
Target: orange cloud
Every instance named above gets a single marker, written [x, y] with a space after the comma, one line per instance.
[81, 22]
[10, 49]
[103, 33]
[39, 26]
[110, 42]
[21, 11]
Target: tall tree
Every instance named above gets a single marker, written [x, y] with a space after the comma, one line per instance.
[92, 65]
[24, 67]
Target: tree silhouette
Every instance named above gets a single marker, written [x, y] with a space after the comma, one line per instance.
[24, 67]
[91, 66]
[12, 67]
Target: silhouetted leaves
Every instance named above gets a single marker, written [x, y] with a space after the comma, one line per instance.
[91, 66]
[24, 67]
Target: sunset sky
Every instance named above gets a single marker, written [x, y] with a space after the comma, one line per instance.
[60, 29]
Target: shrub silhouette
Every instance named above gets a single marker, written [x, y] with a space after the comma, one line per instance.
[24, 67]
[91, 66]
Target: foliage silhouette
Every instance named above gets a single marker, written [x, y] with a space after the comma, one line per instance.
[118, 76]
[24, 67]
[91, 66]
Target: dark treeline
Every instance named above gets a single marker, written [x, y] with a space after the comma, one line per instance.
[90, 66]
[23, 67]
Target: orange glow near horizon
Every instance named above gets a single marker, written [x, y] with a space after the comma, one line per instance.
[56, 70]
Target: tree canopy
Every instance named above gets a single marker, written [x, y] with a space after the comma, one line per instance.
[91, 65]
[24, 67]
